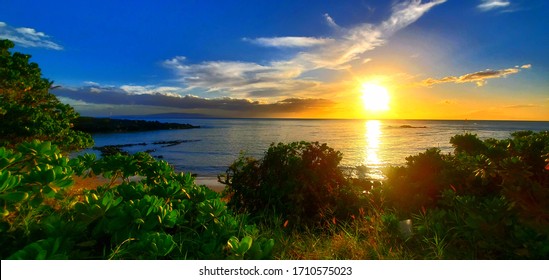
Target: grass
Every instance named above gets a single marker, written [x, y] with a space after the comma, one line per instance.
[365, 238]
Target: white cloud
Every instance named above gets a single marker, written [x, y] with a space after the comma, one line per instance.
[487, 5]
[91, 83]
[31, 33]
[365, 37]
[331, 22]
[27, 37]
[96, 90]
[480, 77]
[406, 13]
[526, 66]
[152, 90]
[289, 42]
[278, 77]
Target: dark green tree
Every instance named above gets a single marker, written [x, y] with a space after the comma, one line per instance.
[299, 181]
[27, 108]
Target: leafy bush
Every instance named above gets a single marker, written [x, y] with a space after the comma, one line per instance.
[418, 184]
[489, 200]
[467, 143]
[300, 181]
[473, 227]
[158, 214]
[28, 111]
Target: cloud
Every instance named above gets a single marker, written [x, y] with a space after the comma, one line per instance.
[289, 42]
[242, 79]
[488, 5]
[477, 77]
[526, 66]
[27, 37]
[135, 96]
[522, 106]
[279, 78]
[353, 42]
[406, 13]
[153, 90]
[91, 83]
[331, 22]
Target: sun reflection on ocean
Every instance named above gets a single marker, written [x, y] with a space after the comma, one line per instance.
[372, 138]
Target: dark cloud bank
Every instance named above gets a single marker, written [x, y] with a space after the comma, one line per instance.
[208, 107]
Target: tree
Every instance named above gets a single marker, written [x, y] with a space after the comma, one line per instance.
[300, 181]
[28, 110]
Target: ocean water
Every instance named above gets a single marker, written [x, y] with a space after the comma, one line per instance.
[209, 150]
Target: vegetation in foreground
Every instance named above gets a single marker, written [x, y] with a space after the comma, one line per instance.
[159, 214]
[487, 200]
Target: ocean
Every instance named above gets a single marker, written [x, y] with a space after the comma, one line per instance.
[208, 151]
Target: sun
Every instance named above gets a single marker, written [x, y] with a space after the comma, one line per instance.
[375, 97]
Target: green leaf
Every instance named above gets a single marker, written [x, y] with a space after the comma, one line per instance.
[245, 245]
[49, 191]
[14, 196]
[8, 180]
[64, 183]
[233, 243]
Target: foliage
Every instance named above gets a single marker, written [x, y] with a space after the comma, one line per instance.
[487, 203]
[488, 200]
[417, 185]
[467, 143]
[27, 110]
[300, 181]
[146, 211]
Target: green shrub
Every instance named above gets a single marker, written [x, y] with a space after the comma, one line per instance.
[159, 214]
[418, 184]
[300, 181]
[488, 200]
[467, 143]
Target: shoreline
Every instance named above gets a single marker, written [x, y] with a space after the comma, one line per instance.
[210, 182]
[81, 183]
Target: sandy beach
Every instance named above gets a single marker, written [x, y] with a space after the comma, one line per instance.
[81, 183]
[210, 182]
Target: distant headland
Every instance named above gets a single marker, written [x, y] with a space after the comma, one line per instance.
[108, 125]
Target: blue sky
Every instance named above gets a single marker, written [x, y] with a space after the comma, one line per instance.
[476, 59]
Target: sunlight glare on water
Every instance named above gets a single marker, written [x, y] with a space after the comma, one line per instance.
[372, 137]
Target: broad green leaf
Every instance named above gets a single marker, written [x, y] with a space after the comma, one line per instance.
[245, 244]
[14, 196]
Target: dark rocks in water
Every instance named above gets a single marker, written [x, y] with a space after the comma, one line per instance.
[118, 149]
[406, 126]
[110, 150]
[108, 125]
[409, 126]
[173, 143]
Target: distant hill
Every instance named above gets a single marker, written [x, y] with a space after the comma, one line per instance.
[166, 116]
[108, 125]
